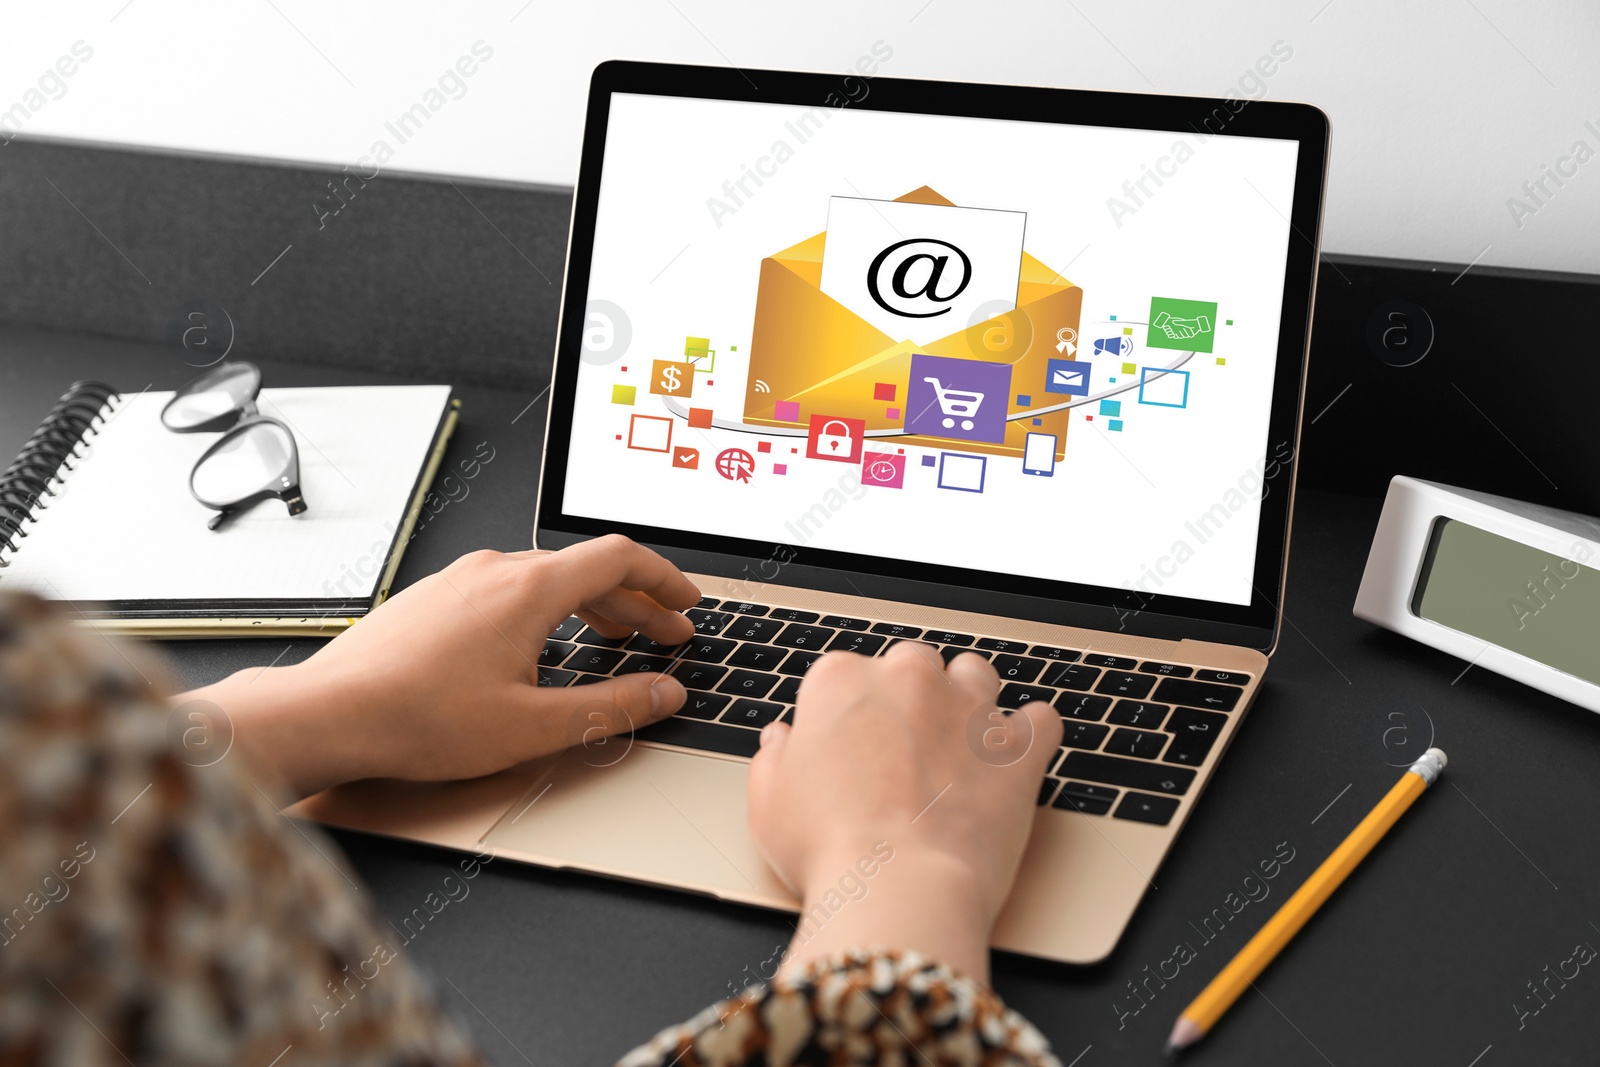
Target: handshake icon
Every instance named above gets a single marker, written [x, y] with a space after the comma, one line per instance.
[1181, 329]
[1185, 325]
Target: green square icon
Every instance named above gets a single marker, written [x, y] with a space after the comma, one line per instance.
[1185, 325]
[623, 394]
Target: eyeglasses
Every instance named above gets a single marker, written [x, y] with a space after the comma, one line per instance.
[255, 459]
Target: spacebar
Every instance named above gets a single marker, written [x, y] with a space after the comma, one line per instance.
[706, 736]
[1134, 774]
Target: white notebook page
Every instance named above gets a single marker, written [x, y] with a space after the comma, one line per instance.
[125, 527]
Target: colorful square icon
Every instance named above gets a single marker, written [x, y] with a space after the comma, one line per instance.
[958, 470]
[1184, 325]
[763, 446]
[786, 411]
[1069, 376]
[1164, 388]
[930, 461]
[623, 394]
[1114, 425]
[650, 433]
[884, 469]
[834, 438]
[687, 458]
[963, 399]
[672, 378]
[1130, 368]
[700, 418]
[893, 414]
[883, 391]
[1111, 407]
[780, 468]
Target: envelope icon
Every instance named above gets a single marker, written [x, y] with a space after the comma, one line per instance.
[1068, 379]
[808, 349]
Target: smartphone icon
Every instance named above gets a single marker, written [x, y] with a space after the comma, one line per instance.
[1039, 454]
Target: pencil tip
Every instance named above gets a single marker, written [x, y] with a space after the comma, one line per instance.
[1184, 1033]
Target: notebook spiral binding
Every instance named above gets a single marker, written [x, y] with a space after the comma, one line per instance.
[47, 456]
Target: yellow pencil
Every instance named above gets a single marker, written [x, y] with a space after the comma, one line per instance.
[1204, 1011]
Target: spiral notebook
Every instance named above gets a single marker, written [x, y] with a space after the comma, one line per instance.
[114, 532]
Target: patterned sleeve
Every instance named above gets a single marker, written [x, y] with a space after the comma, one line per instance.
[866, 1006]
[155, 907]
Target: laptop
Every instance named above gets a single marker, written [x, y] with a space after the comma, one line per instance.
[1011, 371]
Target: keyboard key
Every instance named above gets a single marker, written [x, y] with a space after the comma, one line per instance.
[758, 657]
[590, 636]
[708, 623]
[756, 713]
[1002, 644]
[1013, 668]
[1230, 677]
[1015, 695]
[1123, 684]
[641, 643]
[1047, 789]
[639, 663]
[1193, 734]
[799, 662]
[950, 652]
[856, 641]
[699, 675]
[1198, 694]
[1117, 663]
[1168, 670]
[1142, 807]
[1060, 655]
[897, 629]
[707, 602]
[843, 622]
[1084, 735]
[555, 677]
[1140, 713]
[595, 660]
[1089, 799]
[744, 607]
[1135, 774]
[799, 635]
[567, 630]
[707, 649]
[588, 679]
[554, 652]
[748, 684]
[792, 615]
[948, 637]
[1141, 743]
[705, 736]
[786, 693]
[703, 705]
[1070, 676]
[745, 628]
[1082, 706]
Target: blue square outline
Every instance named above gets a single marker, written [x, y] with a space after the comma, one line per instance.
[1144, 371]
[983, 473]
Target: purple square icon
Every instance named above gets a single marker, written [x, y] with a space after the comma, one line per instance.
[929, 461]
[786, 411]
[961, 399]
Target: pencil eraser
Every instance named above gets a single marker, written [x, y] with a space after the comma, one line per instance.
[1444, 761]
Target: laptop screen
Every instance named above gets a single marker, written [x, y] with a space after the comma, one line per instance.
[1032, 349]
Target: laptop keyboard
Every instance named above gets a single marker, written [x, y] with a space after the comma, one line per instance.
[1134, 729]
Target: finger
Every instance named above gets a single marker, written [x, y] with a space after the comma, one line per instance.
[585, 572]
[917, 650]
[614, 706]
[761, 788]
[1047, 729]
[602, 625]
[630, 611]
[976, 675]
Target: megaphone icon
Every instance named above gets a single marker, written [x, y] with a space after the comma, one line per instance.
[1114, 346]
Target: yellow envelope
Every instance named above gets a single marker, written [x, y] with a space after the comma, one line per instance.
[808, 348]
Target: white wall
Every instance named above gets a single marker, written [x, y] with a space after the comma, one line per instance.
[1442, 109]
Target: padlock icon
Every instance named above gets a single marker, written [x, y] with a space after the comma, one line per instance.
[835, 444]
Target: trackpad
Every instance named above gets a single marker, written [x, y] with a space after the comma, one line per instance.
[654, 815]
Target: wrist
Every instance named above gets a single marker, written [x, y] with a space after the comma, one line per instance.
[914, 898]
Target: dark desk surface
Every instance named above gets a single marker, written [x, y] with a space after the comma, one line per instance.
[1423, 956]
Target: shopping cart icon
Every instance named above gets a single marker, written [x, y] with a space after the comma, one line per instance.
[955, 404]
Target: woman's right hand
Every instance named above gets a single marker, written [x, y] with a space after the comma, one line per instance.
[900, 801]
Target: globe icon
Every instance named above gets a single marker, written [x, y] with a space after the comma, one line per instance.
[735, 464]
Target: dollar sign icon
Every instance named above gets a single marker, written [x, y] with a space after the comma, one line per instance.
[672, 378]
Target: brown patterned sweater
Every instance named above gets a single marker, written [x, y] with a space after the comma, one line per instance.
[156, 908]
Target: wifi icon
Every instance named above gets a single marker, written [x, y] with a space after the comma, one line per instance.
[762, 387]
